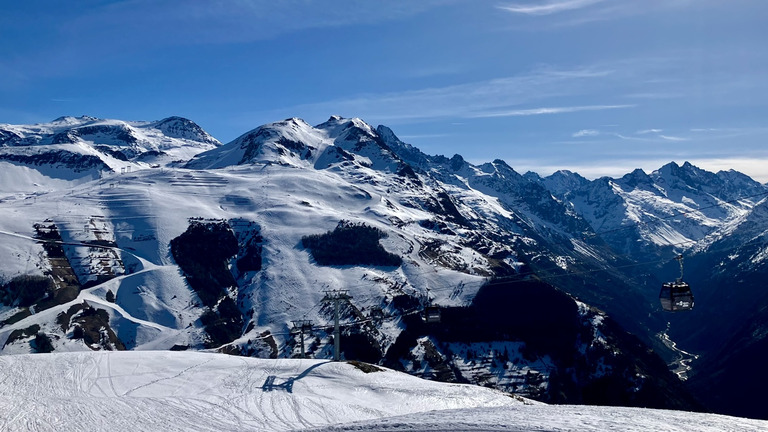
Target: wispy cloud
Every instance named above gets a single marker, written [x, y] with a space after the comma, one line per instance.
[499, 97]
[548, 8]
[586, 133]
[540, 91]
[571, 13]
[549, 110]
[647, 135]
[673, 138]
[184, 22]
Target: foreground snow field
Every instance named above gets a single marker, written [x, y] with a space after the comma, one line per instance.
[553, 418]
[175, 391]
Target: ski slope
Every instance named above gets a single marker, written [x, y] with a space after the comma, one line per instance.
[143, 211]
[185, 391]
[553, 418]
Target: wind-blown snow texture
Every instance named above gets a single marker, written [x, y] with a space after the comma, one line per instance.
[151, 391]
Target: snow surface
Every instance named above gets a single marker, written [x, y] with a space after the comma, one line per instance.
[185, 391]
[144, 210]
[554, 418]
[679, 206]
[286, 193]
[142, 145]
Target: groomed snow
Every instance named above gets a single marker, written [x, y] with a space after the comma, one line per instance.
[186, 391]
[169, 391]
[561, 418]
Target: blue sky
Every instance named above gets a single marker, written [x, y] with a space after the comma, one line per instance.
[595, 86]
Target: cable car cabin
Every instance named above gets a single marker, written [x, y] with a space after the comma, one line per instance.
[432, 315]
[676, 296]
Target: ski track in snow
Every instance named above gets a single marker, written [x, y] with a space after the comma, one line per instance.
[87, 295]
[185, 391]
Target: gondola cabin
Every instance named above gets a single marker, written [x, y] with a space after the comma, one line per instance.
[676, 296]
[432, 315]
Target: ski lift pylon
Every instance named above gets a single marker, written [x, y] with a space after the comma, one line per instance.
[676, 296]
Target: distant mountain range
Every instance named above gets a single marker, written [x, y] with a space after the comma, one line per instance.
[153, 235]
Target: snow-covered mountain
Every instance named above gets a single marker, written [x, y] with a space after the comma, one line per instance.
[76, 148]
[674, 207]
[223, 247]
[560, 182]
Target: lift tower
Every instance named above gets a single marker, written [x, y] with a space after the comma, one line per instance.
[336, 296]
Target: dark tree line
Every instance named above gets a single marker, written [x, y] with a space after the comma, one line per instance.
[203, 252]
[350, 244]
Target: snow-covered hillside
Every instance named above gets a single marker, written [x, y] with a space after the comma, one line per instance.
[281, 182]
[150, 391]
[143, 211]
[181, 243]
[74, 149]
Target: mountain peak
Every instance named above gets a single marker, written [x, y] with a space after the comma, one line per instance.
[560, 182]
[388, 135]
[569, 175]
[669, 167]
[533, 176]
[337, 125]
[183, 128]
[403, 150]
[70, 120]
[687, 176]
[637, 177]
[94, 145]
[293, 121]
[457, 162]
